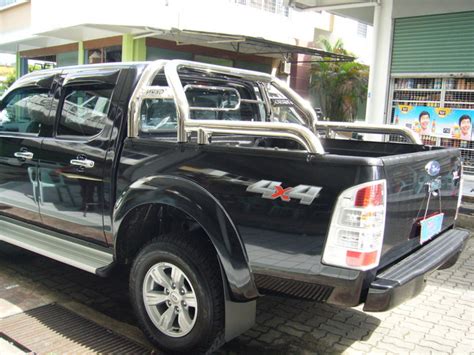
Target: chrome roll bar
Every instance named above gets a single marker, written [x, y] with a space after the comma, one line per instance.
[294, 131]
[142, 91]
[205, 128]
[302, 104]
[370, 128]
[305, 134]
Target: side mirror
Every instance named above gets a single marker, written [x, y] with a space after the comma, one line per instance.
[212, 98]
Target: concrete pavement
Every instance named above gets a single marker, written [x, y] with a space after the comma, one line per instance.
[440, 320]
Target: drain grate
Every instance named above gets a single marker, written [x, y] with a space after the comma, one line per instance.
[52, 328]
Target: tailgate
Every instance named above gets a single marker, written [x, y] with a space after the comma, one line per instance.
[409, 200]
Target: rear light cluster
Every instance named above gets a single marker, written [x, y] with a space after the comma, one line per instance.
[356, 232]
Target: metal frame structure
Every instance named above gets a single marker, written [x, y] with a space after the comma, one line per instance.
[304, 133]
[205, 128]
[408, 134]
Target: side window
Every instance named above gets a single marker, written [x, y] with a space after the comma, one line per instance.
[84, 111]
[24, 110]
[158, 115]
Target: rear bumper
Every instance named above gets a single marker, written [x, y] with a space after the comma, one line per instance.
[406, 279]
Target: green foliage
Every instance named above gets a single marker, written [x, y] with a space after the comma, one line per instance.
[11, 77]
[340, 86]
[11, 73]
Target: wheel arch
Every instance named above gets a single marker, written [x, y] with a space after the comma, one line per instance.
[193, 201]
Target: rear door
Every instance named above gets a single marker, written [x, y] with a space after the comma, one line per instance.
[72, 160]
[23, 112]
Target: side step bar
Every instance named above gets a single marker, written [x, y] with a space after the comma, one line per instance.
[46, 243]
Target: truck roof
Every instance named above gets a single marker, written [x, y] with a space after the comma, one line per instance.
[118, 65]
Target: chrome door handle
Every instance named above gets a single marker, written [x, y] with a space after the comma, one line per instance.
[23, 155]
[85, 163]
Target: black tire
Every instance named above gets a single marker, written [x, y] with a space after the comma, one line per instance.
[196, 257]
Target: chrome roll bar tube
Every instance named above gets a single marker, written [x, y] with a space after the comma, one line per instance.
[370, 128]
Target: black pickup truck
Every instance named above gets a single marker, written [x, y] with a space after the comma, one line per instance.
[218, 185]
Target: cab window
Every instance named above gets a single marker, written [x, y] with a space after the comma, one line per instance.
[24, 110]
[158, 115]
[84, 111]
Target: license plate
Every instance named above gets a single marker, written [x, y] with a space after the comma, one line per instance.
[430, 227]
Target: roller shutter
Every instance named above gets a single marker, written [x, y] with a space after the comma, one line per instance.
[434, 44]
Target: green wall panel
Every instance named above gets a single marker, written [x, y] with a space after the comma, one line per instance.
[434, 44]
[213, 60]
[266, 68]
[154, 53]
[67, 58]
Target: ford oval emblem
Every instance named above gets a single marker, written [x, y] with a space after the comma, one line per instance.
[433, 168]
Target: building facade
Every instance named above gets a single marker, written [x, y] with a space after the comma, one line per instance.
[242, 33]
[422, 66]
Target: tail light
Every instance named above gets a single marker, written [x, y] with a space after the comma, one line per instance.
[355, 235]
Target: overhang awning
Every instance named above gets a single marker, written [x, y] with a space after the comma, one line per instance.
[27, 41]
[230, 42]
[245, 45]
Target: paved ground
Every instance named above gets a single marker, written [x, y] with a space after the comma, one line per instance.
[440, 320]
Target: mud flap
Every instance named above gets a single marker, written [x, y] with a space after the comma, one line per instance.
[239, 317]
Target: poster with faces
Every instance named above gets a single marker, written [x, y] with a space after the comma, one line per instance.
[436, 121]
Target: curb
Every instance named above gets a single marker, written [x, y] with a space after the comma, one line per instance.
[465, 221]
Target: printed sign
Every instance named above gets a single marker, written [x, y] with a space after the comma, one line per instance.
[436, 121]
[430, 227]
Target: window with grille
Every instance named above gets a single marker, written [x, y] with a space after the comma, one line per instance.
[362, 30]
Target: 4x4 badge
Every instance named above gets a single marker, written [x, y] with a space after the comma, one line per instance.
[272, 190]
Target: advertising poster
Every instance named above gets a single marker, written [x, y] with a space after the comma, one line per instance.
[436, 121]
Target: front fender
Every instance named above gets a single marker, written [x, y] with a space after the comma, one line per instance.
[204, 208]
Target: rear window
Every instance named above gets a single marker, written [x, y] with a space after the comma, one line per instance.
[207, 102]
[158, 115]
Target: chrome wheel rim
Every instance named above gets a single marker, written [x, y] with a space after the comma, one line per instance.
[170, 300]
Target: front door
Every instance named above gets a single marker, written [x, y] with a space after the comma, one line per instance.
[71, 166]
[22, 113]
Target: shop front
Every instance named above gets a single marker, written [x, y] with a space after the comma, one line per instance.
[432, 80]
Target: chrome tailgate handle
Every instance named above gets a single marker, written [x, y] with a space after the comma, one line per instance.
[84, 163]
[23, 155]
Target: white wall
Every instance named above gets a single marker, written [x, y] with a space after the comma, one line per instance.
[346, 29]
[110, 12]
[203, 15]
